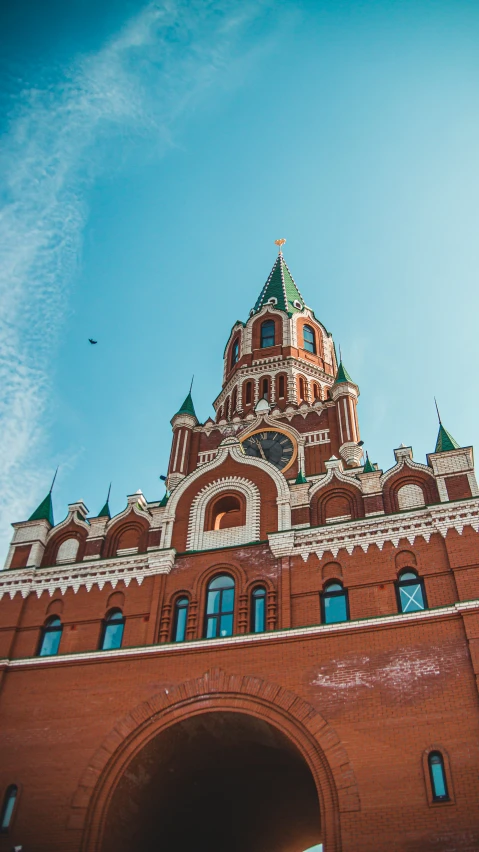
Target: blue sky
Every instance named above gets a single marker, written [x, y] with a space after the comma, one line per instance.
[150, 153]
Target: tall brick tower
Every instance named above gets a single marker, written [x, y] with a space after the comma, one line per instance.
[282, 652]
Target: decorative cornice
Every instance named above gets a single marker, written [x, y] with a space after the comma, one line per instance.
[86, 574]
[409, 525]
[378, 622]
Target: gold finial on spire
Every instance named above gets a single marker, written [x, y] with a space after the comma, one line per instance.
[280, 244]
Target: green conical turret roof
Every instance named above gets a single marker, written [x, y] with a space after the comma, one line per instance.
[105, 511]
[300, 479]
[44, 512]
[445, 441]
[188, 407]
[342, 375]
[280, 285]
[368, 467]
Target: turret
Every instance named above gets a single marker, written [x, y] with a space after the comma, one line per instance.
[30, 537]
[345, 394]
[183, 423]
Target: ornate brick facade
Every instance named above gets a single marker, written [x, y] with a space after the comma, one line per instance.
[296, 647]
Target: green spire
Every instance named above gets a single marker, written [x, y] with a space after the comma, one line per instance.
[300, 479]
[105, 511]
[368, 467]
[187, 407]
[342, 375]
[164, 499]
[44, 512]
[445, 441]
[281, 286]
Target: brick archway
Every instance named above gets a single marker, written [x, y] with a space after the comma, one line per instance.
[314, 738]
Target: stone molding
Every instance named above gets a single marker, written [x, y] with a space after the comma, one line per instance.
[85, 574]
[200, 539]
[378, 530]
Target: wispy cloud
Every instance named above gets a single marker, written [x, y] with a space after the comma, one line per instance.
[140, 84]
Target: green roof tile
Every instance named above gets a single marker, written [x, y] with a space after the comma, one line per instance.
[164, 499]
[105, 511]
[368, 467]
[342, 375]
[280, 285]
[445, 441]
[300, 479]
[44, 512]
[187, 407]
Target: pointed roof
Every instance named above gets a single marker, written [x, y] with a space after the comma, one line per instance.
[44, 512]
[164, 499]
[300, 479]
[368, 467]
[105, 511]
[342, 375]
[445, 441]
[281, 286]
[188, 407]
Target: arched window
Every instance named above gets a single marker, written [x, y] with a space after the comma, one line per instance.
[410, 592]
[225, 512]
[265, 389]
[316, 392]
[248, 393]
[220, 603]
[112, 630]
[68, 550]
[301, 389]
[308, 337]
[180, 620]
[334, 603]
[258, 610]
[8, 807]
[438, 777]
[234, 401]
[50, 638]
[235, 352]
[281, 387]
[267, 334]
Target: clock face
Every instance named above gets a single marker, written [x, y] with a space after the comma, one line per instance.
[271, 446]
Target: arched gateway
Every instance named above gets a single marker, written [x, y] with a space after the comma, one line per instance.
[220, 763]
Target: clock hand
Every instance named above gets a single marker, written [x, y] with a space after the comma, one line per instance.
[260, 448]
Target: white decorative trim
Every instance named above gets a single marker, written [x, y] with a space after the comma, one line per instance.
[320, 437]
[206, 456]
[85, 574]
[334, 472]
[409, 525]
[201, 539]
[406, 462]
[386, 621]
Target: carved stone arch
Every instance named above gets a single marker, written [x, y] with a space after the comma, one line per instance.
[59, 535]
[323, 502]
[201, 539]
[335, 476]
[132, 524]
[202, 580]
[298, 720]
[403, 477]
[251, 336]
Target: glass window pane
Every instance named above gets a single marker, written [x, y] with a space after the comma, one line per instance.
[113, 636]
[438, 779]
[259, 615]
[411, 597]
[222, 582]
[334, 587]
[226, 626]
[335, 609]
[8, 808]
[213, 602]
[408, 575]
[227, 604]
[211, 628]
[181, 618]
[50, 642]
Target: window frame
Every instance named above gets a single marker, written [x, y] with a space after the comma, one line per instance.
[234, 353]
[46, 629]
[398, 584]
[312, 342]
[254, 596]
[106, 621]
[248, 392]
[217, 616]
[281, 387]
[5, 802]
[262, 337]
[435, 796]
[178, 606]
[432, 800]
[325, 594]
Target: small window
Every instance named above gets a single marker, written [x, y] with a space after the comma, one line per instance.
[220, 607]
[235, 353]
[334, 603]
[258, 610]
[438, 777]
[50, 638]
[248, 393]
[224, 512]
[8, 808]
[410, 592]
[267, 334]
[316, 392]
[281, 387]
[181, 619]
[309, 341]
[112, 630]
[265, 389]
[301, 388]
[234, 401]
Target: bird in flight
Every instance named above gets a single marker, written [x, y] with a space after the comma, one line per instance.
[93, 342]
